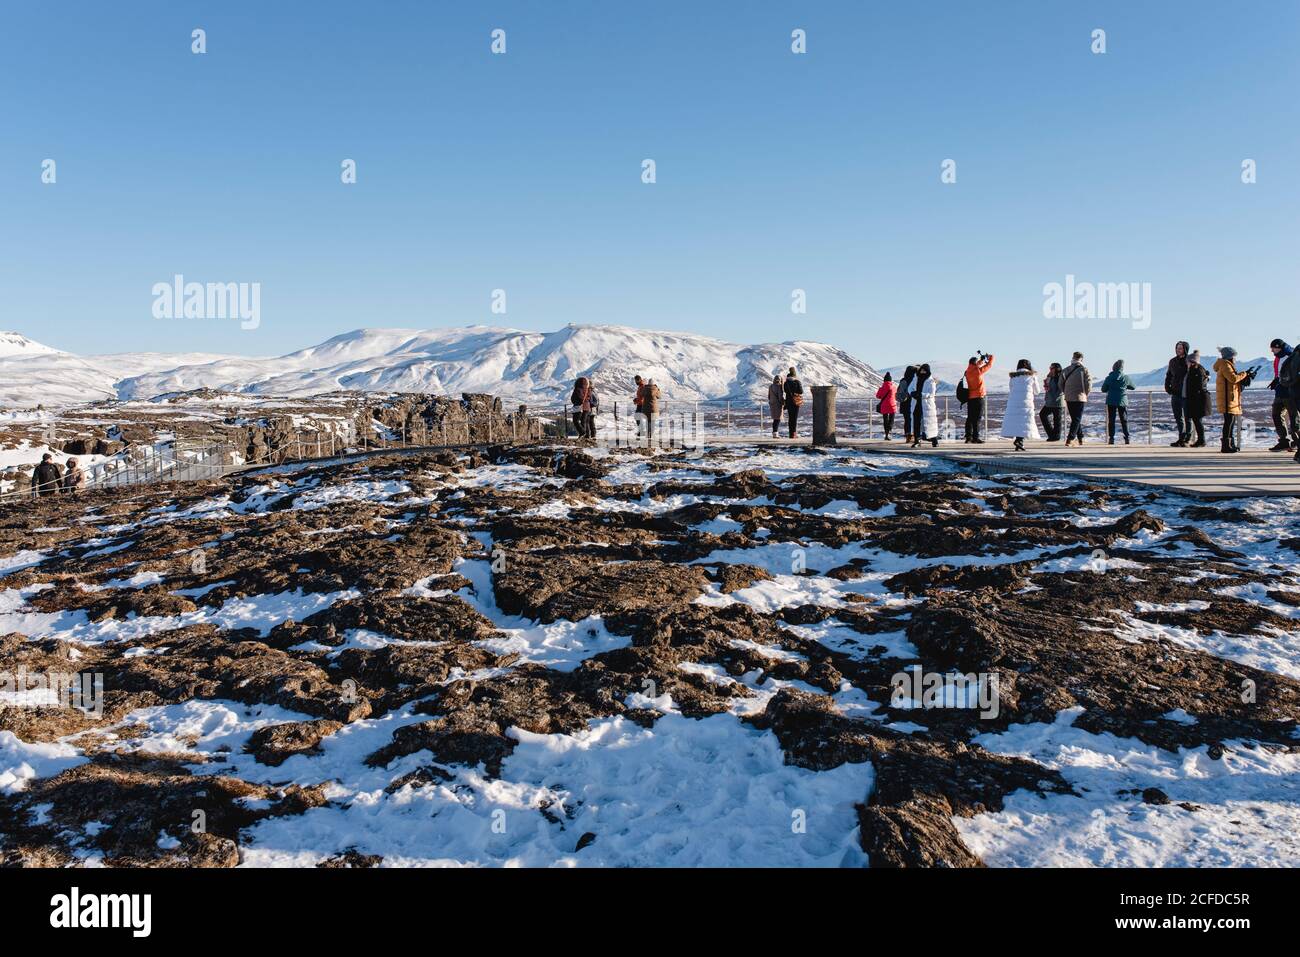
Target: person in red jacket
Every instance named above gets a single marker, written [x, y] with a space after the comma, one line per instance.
[888, 396]
[975, 395]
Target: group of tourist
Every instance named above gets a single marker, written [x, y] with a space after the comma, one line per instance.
[51, 478]
[1066, 390]
[584, 404]
[784, 395]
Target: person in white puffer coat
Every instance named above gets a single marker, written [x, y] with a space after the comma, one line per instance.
[925, 413]
[1018, 422]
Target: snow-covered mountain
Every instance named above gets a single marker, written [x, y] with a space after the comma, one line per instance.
[534, 367]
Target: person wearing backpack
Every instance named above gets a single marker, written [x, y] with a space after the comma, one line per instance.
[905, 400]
[976, 395]
[1196, 398]
[1284, 411]
[1174, 374]
[776, 401]
[888, 404]
[1075, 386]
[1117, 386]
[650, 408]
[793, 399]
[1053, 402]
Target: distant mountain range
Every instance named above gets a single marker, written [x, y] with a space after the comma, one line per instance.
[538, 368]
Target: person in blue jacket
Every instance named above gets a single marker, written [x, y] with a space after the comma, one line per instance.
[1116, 389]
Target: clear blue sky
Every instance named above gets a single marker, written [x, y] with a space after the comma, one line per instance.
[775, 171]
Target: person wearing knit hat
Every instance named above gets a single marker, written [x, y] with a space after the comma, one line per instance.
[1227, 388]
[1174, 372]
[1196, 398]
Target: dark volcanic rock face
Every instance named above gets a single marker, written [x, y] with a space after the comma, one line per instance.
[547, 655]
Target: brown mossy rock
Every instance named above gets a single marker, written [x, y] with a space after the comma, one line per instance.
[276, 743]
[548, 589]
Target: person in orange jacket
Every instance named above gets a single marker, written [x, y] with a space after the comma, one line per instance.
[976, 392]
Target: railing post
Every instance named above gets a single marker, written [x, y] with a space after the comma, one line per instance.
[1150, 415]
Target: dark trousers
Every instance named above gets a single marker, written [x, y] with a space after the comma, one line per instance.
[639, 416]
[905, 409]
[918, 414]
[1111, 412]
[1076, 420]
[1229, 438]
[974, 418]
[1284, 418]
[776, 422]
[1197, 422]
[1182, 421]
[649, 424]
[792, 414]
[888, 419]
[580, 423]
[1050, 416]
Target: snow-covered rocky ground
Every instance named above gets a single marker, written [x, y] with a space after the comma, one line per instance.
[600, 658]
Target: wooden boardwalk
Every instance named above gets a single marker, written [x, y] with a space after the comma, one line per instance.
[1203, 472]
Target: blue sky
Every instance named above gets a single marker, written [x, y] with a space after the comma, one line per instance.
[775, 171]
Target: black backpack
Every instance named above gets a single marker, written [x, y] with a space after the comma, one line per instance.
[1286, 372]
[963, 391]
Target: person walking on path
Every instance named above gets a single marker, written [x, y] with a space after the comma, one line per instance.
[74, 479]
[1018, 419]
[793, 399]
[1174, 374]
[638, 405]
[1227, 387]
[1196, 398]
[1117, 386]
[1053, 402]
[906, 401]
[976, 393]
[776, 401]
[650, 408]
[47, 478]
[888, 405]
[925, 412]
[1075, 386]
[1284, 411]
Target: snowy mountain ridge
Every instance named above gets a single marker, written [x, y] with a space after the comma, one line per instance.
[534, 367]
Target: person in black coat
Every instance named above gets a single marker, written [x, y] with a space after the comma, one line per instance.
[1174, 387]
[47, 478]
[793, 399]
[1197, 399]
[905, 401]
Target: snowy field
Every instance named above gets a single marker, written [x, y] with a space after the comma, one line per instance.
[596, 658]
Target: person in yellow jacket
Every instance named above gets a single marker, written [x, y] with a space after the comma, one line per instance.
[1227, 387]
